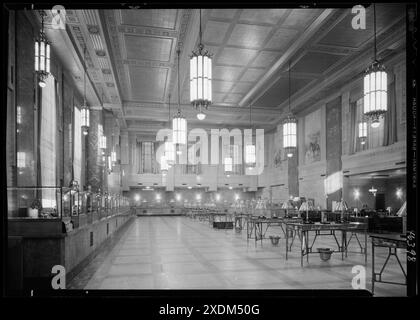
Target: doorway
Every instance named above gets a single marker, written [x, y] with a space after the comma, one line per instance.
[380, 201]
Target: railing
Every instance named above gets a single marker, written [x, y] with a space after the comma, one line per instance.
[62, 203]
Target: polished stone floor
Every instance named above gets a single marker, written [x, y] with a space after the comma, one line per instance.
[181, 253]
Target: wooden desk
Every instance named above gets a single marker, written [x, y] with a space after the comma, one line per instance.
[392, 242]
[303, 230]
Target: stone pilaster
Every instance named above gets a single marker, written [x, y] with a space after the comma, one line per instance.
[333, 152]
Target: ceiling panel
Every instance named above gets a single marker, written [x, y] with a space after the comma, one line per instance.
[148, 84]
[245, 43]
[301, 18]
[148, 48]
[315, 62]
[226, 73]
[281, 39]
[279, 92]
[156, 18]
[265, 59]
[218, 97]
[252, 74]
[215, 32]
[233, 98]
[344, 35]
[236, 57]
[250, 36]
[271, 16]
[242, 87]
[222, 86]
[223, 13]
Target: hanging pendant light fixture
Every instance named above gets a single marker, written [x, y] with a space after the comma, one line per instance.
[113, 153]
[289, 129]
[169, 146]
[363, 132]
[200, 78]
[102, 142]
[85, 109]
[201, 115]
[375, 102]
[179, 123]
[42, 54]
[250, 148]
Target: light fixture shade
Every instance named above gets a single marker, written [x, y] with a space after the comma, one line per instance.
[375, 100]
[228, 164]
[250, 154]
[200, 78]
[102, 142]
[179, 129]
[290, 135]
[375, 123]
[363, 132]
[85, 113]
[201, 116]
[42, 56]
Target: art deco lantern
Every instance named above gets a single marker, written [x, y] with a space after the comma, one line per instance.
[362, 132]
[42, 55]
[179, 123]
[200, 78]
[250, 156]
[85, 109]
[375, 102]
[290, 129]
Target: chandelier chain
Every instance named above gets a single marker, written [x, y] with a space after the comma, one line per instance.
[179, 99]
[289, 88]
[374, 30]
[200, 29]
[84, 75]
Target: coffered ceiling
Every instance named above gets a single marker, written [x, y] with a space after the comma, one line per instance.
[132, 58]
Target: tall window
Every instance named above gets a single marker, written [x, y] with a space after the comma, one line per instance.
[48, 143]
[237, 161]
[375, 136]
[194, 159]
[148, 161]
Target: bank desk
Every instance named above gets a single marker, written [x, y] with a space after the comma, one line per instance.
[392, 242]
[201, 214]
[256, 227]
[302, 231]
[240, 220]
[219, 216]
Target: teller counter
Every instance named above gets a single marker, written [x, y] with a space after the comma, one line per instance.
[158, 211]
[50, 227]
